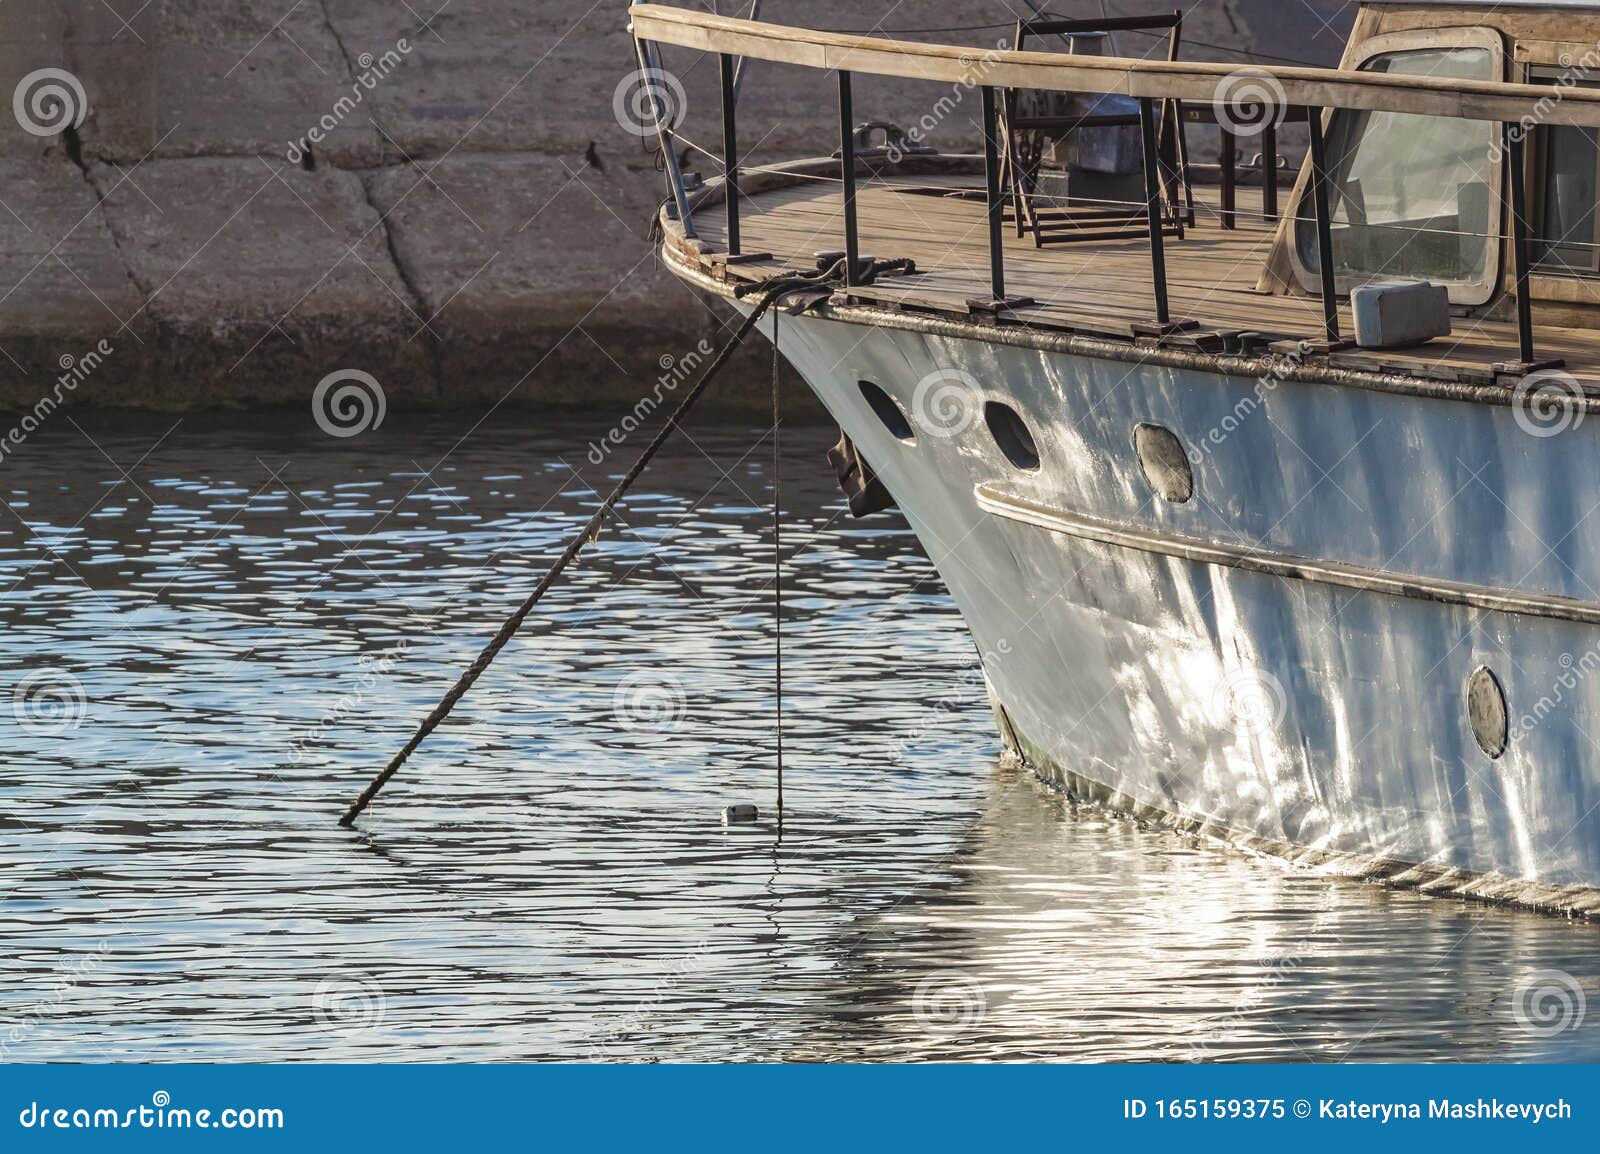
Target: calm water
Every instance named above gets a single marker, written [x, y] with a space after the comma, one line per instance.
[210, 653]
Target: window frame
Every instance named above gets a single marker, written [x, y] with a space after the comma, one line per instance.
[1471, 294]
[1538, 186]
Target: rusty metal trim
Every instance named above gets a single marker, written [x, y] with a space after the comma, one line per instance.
[685, 264]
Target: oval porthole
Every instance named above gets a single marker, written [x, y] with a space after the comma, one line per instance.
[890, 413]
[1011, 433]
[1164, 463]
[1486, 711]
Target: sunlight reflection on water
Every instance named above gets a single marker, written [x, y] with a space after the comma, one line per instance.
[238, 636]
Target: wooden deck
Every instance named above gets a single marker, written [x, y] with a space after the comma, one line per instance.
[1098, 287]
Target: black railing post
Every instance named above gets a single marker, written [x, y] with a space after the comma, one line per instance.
[847, 170]
[1517, 179]
[1227, 160]
[1269, 170]
[991, 174]
[1319, 201]
[730, 151]
[994, 185]
[1152, 204]
[649, 72]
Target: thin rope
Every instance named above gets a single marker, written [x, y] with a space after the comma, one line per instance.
[777, 560]
[771, 291]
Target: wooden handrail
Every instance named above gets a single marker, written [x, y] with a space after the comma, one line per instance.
[1188, 81]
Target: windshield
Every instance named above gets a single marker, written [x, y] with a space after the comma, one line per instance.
[1409, 196]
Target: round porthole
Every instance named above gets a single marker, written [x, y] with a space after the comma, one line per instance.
[1165, 464]
[1486, 711]
[891, 414]
[1011, 433]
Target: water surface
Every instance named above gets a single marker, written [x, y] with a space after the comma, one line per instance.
[214, 633]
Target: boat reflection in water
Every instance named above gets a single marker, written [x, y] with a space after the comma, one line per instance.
[1068, 934]
[551, 881]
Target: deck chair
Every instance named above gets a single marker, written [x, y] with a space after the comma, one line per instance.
[1071, 164]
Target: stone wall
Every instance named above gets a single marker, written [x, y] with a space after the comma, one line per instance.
[470, 224]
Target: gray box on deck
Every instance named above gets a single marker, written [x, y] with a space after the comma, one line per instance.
[1390, 314]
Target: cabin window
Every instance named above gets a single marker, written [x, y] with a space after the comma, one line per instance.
[1409, 195]
[1564, 162]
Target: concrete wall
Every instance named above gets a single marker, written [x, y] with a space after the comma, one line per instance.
[448, 234]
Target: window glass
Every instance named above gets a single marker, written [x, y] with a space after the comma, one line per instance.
[1409, 196]
[1565, 160]
[1566, 233]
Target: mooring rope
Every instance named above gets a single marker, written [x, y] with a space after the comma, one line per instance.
[770, 291]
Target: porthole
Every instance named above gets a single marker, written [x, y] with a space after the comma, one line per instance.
[1486, 711]
[1165, 464]
[1011, 433]
[890, 413]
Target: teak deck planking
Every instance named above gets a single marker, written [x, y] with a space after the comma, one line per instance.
[1101, 287]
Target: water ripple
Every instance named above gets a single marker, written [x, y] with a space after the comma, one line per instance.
[237, 637]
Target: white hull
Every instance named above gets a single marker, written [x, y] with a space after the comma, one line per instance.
[1317, 711]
